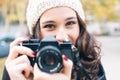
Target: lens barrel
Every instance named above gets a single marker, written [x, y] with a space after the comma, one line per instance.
[49, 59]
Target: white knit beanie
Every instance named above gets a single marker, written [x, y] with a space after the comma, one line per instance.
[35, 9]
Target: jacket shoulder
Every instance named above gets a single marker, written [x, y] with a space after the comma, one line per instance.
[101, 73]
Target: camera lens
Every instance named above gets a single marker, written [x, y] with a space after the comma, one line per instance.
[49, 59]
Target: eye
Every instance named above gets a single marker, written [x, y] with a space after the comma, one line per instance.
[70, 23]
[49, 26]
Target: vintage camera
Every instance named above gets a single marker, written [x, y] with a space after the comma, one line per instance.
[49, 53]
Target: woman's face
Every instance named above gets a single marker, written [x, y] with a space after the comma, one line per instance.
[61, 22]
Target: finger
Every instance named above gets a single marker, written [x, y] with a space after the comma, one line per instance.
[67, 66]
[25, 69]
[14, 43]
[23, 64]
[17, 50]
[38, 74]
[18, 41]
[18, 60]
[36, 69]
[20, 64]
[21, 59]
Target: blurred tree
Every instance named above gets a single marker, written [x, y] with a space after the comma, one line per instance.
[20, 11]
[12, 11]
[5, 11]
[102, 9]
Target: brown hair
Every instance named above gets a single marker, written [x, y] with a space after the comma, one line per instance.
[88, 48]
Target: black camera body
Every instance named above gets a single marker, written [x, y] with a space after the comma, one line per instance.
[49, 53]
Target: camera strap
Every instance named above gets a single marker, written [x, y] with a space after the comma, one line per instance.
[81, 68]
[78, 63]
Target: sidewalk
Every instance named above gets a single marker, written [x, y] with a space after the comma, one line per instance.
[111, 56]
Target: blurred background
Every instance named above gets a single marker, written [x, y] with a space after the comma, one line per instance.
[102, 19]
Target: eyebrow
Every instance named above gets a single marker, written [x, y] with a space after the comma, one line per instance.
[51, 21]
[70, 18]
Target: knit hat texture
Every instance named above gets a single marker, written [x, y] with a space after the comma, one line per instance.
[36, 8]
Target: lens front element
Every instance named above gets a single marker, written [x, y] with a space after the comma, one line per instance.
[49, 59]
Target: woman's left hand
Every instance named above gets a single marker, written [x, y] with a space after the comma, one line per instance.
[64, 75]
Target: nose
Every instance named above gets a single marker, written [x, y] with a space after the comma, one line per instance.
[61, 35]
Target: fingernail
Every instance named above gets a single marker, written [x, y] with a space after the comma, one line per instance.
[34, 53]
[65, 58]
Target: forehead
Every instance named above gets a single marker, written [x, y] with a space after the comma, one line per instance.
[58, 12]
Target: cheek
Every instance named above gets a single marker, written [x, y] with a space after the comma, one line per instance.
[43, 33]
[46, 33]
[73, 35]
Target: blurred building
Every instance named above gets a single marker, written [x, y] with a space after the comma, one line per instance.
[93, 26]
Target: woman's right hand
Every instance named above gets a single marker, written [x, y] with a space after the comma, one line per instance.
[19, 67]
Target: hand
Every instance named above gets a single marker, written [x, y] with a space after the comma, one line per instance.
[19, 67]
[64, 75]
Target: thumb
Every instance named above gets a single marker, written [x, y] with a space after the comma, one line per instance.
[38, 74]
[36, 70]
[67, 66]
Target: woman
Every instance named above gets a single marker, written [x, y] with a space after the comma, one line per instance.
[63, 19]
